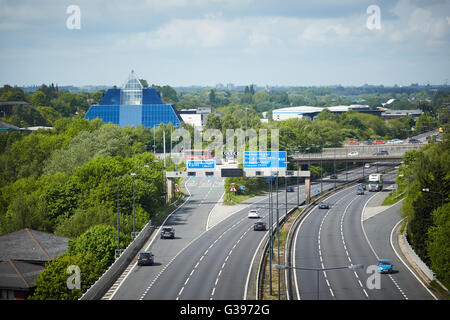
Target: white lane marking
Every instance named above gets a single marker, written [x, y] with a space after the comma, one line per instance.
[343, 241]
[296, 282]
[398, 256]
[153, 239]
[373, 250]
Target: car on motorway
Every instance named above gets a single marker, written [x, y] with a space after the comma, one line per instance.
[360, 191]
[413, 140]
[289, 189]
[253, 214]
[145, 258]
[353, 142]
[333, 176]
[353, 154]
[384, 266]
[381, 153]
[362, 186]
[259, 226]
[379, 142]
[168, 232]
[324, 205]
[367, 165]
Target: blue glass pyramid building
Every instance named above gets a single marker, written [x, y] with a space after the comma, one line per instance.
[133, 105]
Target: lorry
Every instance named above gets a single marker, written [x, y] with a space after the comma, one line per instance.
[375, 182]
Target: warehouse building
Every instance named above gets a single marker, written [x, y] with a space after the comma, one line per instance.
[309, 112]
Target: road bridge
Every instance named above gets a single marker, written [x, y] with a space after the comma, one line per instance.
[370, 153]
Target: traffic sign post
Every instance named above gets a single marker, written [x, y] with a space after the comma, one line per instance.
[233, 188]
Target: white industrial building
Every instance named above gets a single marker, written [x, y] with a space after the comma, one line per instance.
[309, 112]
[195, 117]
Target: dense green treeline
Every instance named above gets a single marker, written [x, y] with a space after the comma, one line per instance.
[74, 180]
[65, 179]
[426, 208]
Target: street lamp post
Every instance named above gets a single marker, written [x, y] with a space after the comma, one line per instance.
[133, 174]
[430, 191]
[318, 270]
[145, 188]
[118, 220]
[270, 230]
[278, 239]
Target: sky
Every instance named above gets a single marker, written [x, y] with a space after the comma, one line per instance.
[206, 42]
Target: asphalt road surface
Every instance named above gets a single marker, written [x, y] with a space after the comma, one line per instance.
[339, 237]
[201, 264]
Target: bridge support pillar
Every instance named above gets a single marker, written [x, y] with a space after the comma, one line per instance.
[308, 190]
[169, 191]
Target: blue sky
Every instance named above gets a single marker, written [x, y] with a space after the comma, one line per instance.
[205, 42]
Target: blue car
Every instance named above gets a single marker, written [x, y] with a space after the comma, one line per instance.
[384, 266]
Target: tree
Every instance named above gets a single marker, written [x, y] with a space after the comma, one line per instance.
[99, 240]
[425, 123]
[212, 97]
[51, 283]
[213, 122]
[39, 99]
[438, 244]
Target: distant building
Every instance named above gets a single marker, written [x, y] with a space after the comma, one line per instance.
[133, 105]
[6, 107]
[395, 114]
[230, 86]
[295, 112]
[4, 126]
[387, 103]
[195, 117]
[309, 112]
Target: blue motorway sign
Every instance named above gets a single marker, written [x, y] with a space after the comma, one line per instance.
[265, 159]
[201, 164]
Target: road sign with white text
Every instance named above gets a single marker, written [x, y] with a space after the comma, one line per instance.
[265, 159]
[201, 164]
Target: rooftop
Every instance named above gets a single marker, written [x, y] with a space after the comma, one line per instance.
[31, 246]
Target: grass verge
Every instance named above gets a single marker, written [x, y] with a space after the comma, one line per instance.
[277, 274]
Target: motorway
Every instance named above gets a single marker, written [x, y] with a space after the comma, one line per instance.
[342, 236]
[201, 263]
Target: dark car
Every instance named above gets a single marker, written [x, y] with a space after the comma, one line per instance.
[260, 226]
[289, 189]
[413, 140]
[381, 153]
[362, 186]
[145, 258]
[360, 191]
[168, 232]
[333, 176]
[324, 205]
